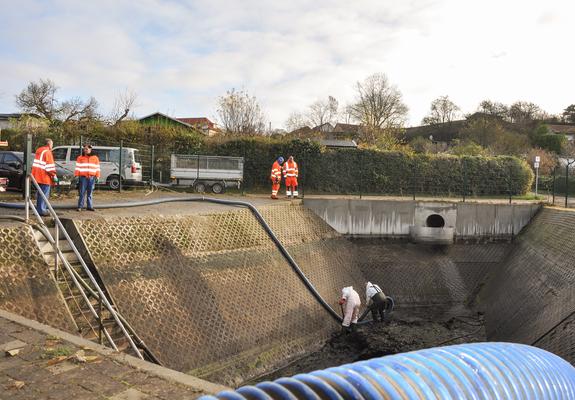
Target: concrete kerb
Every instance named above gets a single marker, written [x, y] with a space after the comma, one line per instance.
[145, 366]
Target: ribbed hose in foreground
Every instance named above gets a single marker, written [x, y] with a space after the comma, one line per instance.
[469, 371]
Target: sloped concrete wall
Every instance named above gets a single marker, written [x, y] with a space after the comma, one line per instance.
[438, 277]
[531, 298]
[211, 295]
[26, 286]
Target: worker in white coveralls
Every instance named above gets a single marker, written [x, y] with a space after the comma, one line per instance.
[375, 300]
[350, 303]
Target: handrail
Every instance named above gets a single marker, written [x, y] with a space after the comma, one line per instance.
[104, 299]
[69, 268]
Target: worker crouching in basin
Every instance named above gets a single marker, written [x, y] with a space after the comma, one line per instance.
[376, 301]
[350, 303]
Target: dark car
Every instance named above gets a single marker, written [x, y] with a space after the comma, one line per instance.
[12, 167]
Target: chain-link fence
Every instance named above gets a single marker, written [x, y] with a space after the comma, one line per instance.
[559, 186]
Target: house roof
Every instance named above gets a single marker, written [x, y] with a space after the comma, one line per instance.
[196, 121]
[564, 129]
[167, 117]
[338, 143]
[322, 126]
[5, 117]
[346, 128]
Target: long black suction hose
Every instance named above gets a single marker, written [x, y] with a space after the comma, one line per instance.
[254, 211]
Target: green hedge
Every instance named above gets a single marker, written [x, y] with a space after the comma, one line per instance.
[335, 171]
[374, 171]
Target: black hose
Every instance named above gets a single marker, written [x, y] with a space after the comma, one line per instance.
[254, 211]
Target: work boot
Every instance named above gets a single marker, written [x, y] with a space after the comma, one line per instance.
[345, 329]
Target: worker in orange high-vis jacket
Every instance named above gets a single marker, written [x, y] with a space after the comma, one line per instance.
[291, 173]
[276, 177]
[44, 171]
[88, 171]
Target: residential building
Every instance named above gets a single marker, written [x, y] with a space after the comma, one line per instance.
[202, 124]
[564, 129]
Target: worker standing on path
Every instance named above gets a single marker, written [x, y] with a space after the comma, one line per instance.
[290, 175]
[276, 176]
[88, 171]
[350, 303]
[376, 300]
[44, 171]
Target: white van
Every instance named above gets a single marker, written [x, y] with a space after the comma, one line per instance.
[65, 157]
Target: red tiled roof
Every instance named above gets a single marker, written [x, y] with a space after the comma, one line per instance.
[197, 121]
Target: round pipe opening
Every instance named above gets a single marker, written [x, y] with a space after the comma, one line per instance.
[435, 221]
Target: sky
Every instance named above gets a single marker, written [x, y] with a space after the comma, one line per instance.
[179, 56]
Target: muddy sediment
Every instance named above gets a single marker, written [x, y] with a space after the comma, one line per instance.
[401, 333]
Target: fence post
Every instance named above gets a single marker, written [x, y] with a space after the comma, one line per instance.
[553, 189]
[566, 183]
[413, 178]
[301, 182]
[464, 178]
[243, 168]
[360, 174]
[27, 171]
[120, 165]
[152, 167]
[509, 180]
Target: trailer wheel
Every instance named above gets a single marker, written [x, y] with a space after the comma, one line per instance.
[217, 188]
[200, 187]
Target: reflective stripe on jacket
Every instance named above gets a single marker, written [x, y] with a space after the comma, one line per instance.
[43, 167]
[290, 169]
[87, 166]
[276, 171]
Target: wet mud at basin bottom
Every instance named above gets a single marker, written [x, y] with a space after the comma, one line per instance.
[399, 334]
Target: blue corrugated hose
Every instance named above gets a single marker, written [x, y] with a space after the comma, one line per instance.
[467, 371]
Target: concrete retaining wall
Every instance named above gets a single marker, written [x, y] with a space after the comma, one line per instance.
[386, 218]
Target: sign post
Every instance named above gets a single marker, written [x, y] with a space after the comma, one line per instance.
[536, 165]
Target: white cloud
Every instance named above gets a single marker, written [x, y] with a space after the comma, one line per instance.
[179, 56]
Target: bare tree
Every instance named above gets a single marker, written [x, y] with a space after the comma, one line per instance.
[494, 108]
[443, 110]
[524, 112]
[318, 113]
[323, 111]
[379, 107]
[76, 109]
[40, 98]
[124, 103]
[240, 114]
[295, 121]
[347, 115]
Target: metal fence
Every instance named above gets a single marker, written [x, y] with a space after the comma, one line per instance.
[559, 187]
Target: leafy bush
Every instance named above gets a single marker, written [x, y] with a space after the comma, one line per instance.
[374, 171]
[551, 142]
